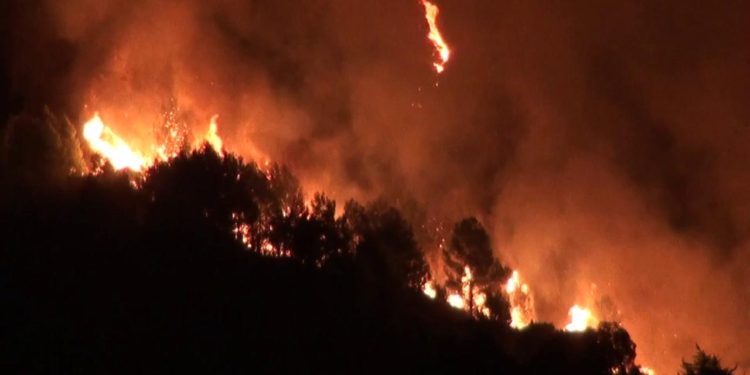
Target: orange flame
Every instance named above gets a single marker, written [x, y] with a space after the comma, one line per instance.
[213, 138]
[519, 296]
[580, 319]
[431, 13]
[104, 141]
[456, 301]
[429, 290]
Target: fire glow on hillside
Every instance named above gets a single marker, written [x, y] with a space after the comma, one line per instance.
[580, 319]
[122, 155]
[104, 141]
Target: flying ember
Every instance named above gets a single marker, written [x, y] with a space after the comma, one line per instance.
[431, 13]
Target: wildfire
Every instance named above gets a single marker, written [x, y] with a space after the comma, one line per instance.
[242, 231]
[429, 290]
[442, 49]
[456, 301]
[519, 296]
[104, 141]
[580, 319]
[469, 298]
[213, 138]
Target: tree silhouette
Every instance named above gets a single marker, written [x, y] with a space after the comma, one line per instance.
[281, 204]
[200, 189]
[312, 235]
[704, 364]
[385, 243]
[618, 349]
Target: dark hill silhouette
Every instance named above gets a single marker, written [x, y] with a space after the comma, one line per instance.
[98, 275]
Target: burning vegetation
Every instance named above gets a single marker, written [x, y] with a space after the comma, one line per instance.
[279, 223]
[476, 283]
[190, 241]
[202, 206]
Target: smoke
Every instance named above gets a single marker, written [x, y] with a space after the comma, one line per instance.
[604, 143]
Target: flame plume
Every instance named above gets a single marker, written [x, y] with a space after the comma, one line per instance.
[521, 305]
[580, 319]
[213, 138]
[444, 52]
[104, 141]
[429, 290]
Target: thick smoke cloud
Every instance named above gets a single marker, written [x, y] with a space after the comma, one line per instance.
[604, 143]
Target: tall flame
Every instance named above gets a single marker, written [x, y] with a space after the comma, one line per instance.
[519, 297]
[429, 290]
[580, 319]
[431, 14]
[213, 138]
[104, 141]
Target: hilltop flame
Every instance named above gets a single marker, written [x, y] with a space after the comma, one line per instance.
[469, 298]
[103, 140]
[521, 305]
[213, 138]
[429, 290]
[580, 319]
[442, 49]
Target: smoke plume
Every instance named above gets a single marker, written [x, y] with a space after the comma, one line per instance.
[604, 143]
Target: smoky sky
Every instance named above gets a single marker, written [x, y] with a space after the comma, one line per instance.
[603, 143]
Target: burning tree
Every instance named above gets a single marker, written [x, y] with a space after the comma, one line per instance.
[470, 266]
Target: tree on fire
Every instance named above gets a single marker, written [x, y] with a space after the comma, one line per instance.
[470, 247]
[279, 196]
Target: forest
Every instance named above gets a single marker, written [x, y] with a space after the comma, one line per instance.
[213, 263]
